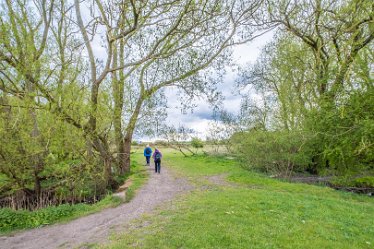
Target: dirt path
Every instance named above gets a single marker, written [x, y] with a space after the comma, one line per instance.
[160, 188]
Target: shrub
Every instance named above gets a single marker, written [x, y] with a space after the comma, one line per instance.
[197, 143]
[364, 182]
[344, 134]
[276, 152]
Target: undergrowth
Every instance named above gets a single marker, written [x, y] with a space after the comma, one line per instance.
[12, 220]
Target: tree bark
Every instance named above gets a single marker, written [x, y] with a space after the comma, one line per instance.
[36, 158]
[118, 82]
[125, 164]
[99, 143]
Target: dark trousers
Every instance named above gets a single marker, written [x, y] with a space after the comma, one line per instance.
[147, 158]
[157, 166]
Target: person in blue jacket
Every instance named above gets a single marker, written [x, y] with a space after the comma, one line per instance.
[148, 154]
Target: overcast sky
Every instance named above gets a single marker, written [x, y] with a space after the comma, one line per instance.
[200, 117]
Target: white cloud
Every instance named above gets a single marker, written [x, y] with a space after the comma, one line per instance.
[250, 51]
[198, 119]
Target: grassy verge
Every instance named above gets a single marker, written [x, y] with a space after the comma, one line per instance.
[138, 175]
[11, 220]
[256, 212]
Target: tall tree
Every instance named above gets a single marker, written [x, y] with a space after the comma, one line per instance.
[23, 52]
[334, 31]
[49, 46]
[317, 70]
[172, 45]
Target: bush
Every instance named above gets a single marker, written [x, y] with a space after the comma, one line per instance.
[160, 143]
[276, 152]
[197, 143]
[344, 134]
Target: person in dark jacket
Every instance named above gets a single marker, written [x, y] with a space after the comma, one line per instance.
[148, 154]
[157, 158]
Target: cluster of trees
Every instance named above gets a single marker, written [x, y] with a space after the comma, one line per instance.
[77, 77]
[313, 107]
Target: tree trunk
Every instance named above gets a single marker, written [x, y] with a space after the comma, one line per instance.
[118, 89]
[37, 185]
[101, 145]
[121, 151]
[107, 161]
[125, 164]
[36, 157]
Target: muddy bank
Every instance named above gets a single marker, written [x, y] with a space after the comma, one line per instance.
[328, 181]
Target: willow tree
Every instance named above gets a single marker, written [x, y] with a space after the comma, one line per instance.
[42, 103]
[21, 59]
[173, 45]
[334, 31]
[146, 46]
[177, 47]
[317, 69]
[320, 41]
[286, 90]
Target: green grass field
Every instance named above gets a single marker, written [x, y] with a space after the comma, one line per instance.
[252, 211]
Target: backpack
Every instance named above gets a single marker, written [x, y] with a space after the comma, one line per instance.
[148, 151]
[157, 156]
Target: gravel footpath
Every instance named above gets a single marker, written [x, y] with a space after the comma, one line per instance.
[96, 228]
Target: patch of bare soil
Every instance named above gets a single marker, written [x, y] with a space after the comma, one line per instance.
[96, 228]
[220, 180]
